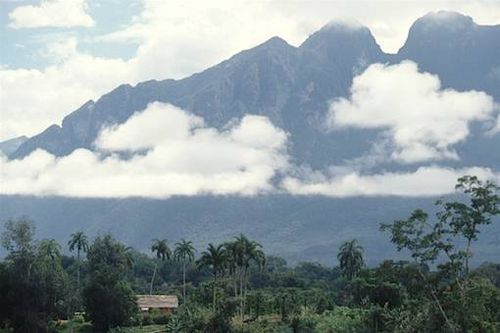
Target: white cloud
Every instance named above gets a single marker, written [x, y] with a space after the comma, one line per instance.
[158, 125]
[232, 22]
[183, 157]
[422, 120]
[34, 99]
[198, 34]
[61, 50]
[425, 181]
[52, 13]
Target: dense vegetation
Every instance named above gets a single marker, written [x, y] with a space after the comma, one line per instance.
[235, 287]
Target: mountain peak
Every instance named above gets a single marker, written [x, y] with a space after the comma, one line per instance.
[447, 20]
[272, 44]
[437, 30]
[275, 41]
[341, 32]
[342, 26]
[342, 39]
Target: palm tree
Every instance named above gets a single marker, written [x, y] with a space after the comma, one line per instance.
[351, 258]
[214, 258]
[128, 255]
[79, 242]
[252, 254]
[232, 254]
[244, 252]
[184, 251]
[162, 252]
[49, 249]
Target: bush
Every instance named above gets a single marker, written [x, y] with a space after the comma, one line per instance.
[343, 320]
[161, 319]
[146, 319]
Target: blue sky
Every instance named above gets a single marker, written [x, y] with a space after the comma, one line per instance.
[21, 47]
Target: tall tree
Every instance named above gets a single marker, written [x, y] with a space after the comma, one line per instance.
[109, 300]
[160, 247]
[465, 218]
[350, 257]
[457, 222]
[184, 252]
[35, 278]
[214, 258]
[49, 249]
[244, 253]
[78, 241]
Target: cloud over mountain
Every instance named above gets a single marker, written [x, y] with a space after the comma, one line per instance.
[422, 120]
[164, 151]
[179, 156]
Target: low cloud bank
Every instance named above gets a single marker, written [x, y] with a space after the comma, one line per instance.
[167, 152]
[425, 181]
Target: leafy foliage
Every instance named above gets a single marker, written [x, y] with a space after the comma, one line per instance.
[108, 298]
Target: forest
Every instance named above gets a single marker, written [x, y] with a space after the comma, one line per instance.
[91, 285]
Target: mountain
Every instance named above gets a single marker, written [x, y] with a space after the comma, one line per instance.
[9, 146]
[464, 54]
[293, 86]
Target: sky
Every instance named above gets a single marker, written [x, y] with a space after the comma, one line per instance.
[57, 54]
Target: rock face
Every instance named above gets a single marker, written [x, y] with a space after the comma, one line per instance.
[293, 87]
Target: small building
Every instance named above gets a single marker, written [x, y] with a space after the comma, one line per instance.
[164, 303]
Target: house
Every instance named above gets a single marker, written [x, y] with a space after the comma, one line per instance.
[164, 303]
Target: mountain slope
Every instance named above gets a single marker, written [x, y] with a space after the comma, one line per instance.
[291, 86]
[9, 146]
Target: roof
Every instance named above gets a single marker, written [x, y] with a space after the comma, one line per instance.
[157, 301]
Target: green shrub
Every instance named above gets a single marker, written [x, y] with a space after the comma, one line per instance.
[343, 320]
[161, 319]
